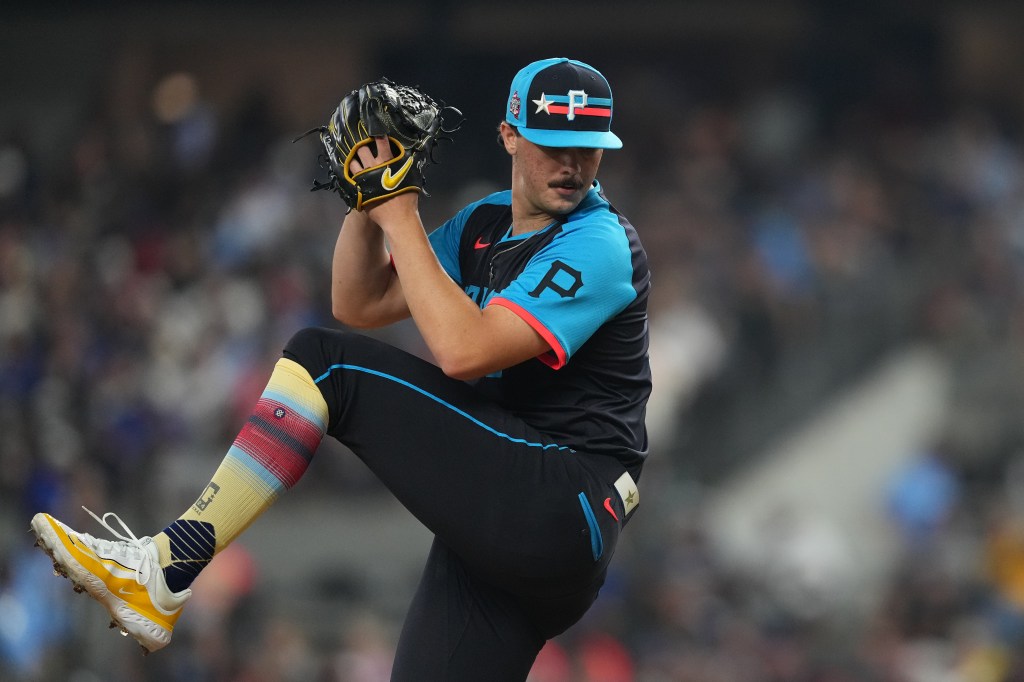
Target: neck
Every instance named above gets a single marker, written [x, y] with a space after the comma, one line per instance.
[530, 223]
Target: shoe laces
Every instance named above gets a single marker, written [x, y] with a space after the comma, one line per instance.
[127, 544]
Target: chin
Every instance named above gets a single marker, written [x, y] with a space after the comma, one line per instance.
[562, 206]
[562, 209]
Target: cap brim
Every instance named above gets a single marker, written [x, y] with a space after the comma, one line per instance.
[572, 138]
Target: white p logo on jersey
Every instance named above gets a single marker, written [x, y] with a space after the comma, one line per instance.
[577, 100]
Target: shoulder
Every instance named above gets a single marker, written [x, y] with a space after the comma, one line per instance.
[500, 199]
[489, 206]
[476, 211]
[596, 211]
[597, 221]
[603, 241]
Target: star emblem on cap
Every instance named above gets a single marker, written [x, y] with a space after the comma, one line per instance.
[542, 104]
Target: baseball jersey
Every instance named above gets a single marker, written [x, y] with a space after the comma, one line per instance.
[582, 283]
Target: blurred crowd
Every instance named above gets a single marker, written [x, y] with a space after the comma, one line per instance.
[150, 276]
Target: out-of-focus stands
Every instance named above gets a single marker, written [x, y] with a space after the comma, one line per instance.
[804, 219]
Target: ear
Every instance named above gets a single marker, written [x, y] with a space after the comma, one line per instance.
[509, 137]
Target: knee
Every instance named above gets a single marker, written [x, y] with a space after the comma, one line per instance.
[311, 346]
[305, 340]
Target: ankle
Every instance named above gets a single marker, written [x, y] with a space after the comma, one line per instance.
[163, 548]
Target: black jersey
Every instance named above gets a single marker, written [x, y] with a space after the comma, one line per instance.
[582, 283]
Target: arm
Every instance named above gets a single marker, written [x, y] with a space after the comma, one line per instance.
[365, 290]
[467, 342]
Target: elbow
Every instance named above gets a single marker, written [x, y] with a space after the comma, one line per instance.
[462, 374]
[350, 317]
[461, 366]
[341, 314]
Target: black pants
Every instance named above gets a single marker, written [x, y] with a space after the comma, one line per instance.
[522, 535]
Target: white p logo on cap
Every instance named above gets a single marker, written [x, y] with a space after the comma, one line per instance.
[577, 100]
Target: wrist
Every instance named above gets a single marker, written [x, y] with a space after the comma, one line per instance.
[396, 212]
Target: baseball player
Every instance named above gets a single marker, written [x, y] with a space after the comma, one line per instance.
[520, 449]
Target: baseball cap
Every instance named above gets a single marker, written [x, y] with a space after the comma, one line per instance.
[562, 102]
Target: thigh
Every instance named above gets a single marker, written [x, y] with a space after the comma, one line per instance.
[461, 628]
[503, 496]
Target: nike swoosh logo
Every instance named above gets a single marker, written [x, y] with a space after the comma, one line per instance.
[389, 181]
[479, 244]
[127, 593]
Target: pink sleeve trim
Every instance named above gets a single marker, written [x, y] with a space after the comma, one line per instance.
[556, 357]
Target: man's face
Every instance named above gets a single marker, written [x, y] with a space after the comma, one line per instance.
[550, 181]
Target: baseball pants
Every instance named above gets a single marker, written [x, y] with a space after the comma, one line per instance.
[523, 531]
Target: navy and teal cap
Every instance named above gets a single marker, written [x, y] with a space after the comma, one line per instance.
[562, 103]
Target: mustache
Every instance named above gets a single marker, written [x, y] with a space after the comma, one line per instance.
[568, 182]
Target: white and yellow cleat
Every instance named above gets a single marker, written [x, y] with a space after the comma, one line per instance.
[124, 575]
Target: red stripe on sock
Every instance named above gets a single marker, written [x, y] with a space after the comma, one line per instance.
[305, 432]
[281, 440]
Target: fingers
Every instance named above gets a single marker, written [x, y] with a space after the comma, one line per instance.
[371, 155]
[364, 158]
[383, 149]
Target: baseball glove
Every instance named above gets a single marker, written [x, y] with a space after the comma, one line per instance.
[411, 120]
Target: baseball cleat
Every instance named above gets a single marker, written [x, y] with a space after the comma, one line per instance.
[124, 575]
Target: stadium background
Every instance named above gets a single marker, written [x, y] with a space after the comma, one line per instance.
[832, 197]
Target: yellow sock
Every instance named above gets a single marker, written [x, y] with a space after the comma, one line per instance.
[268, 456]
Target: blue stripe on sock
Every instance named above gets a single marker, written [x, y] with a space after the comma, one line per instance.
[301, 408]
[257, 469]
[403, 382]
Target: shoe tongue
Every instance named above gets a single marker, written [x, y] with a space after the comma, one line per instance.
[119, 547]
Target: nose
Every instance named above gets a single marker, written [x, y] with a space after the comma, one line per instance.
[570, 156]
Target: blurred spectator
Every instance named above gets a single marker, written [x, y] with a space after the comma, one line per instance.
[365, 653]
[922, 498]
